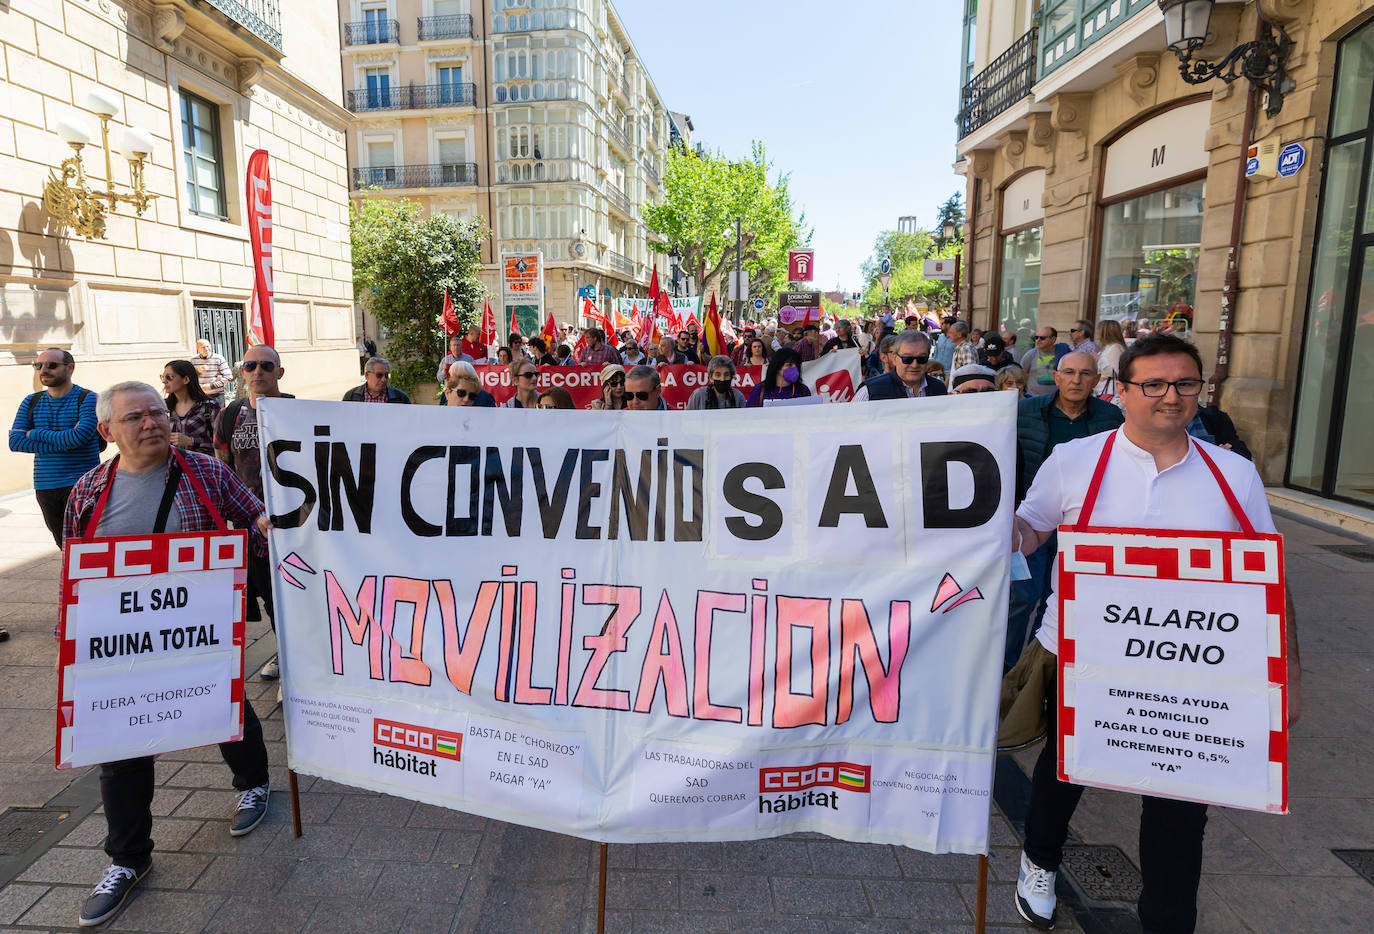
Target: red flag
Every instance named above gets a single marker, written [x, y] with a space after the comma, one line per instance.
[259, 190]
[550, 332]
[581, 346]
[489, 338]
[653, 287]
[589, 310]
[450, 318]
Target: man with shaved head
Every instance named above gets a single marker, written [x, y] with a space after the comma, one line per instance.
[236, 442]
[1042, 424]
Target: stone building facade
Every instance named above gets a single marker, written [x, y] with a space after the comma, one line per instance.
[245, 75]
[537, 117]
[1101, 184]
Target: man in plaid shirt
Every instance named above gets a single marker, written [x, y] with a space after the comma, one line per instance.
[134, 417]
[598, 352]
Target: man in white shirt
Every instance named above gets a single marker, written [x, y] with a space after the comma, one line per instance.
[1155, 478]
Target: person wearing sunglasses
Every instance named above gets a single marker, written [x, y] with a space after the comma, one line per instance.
[1042, 360]
[191, 411]
[973, 378]
[908, 379]
[236, 443]
[524, 376]
[464, 388]
[1082, 336]
[643, 392]
[612, 388]
[57, 426]
[377, 386]
[556, 397]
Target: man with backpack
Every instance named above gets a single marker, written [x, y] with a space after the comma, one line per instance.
[57, 426]
[236, 443]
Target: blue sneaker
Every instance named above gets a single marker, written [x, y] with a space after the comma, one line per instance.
[110, 893]
[250, 810]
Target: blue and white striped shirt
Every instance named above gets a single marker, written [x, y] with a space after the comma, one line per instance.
[61, 435]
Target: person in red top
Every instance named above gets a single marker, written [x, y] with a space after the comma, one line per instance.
[473, 346]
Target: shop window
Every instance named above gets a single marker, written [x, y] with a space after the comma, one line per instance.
[1018, 302]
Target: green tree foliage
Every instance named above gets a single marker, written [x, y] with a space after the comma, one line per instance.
[907, 253]
[951, 211]
[402, 263]
[704, 194]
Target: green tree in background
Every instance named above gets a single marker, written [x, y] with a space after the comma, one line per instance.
[907, 253]
[402, 263]
[704, 194]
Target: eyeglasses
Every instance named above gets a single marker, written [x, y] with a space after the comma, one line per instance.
[1159, 388]
[462, 394]
[921, 359]
[965, 392]
[1042, 337]
[267, 366]
[47, 365]
[1075, 330]
[617, 380]
[1081, 374]
[528, 375]
[641, 395]
[381, 374]
[167, 376]
[134, 418]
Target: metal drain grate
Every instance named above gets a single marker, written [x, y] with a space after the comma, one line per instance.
[1104, 873]
[1362, 861]
[21, 828]
[1354, 552]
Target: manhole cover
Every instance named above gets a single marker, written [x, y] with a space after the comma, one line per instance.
[1104, 873]
[1362, 861]
[1356, 552]
[21, 828]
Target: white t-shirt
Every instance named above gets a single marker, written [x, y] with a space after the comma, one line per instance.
[1136, 495]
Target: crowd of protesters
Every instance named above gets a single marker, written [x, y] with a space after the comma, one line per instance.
[1068, 390]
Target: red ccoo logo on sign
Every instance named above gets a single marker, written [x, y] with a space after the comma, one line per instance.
[419, 739]
[846, 775]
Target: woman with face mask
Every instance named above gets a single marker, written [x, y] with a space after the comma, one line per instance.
[719, 392]
[782, 380]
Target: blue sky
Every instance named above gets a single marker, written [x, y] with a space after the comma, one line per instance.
[856, 100]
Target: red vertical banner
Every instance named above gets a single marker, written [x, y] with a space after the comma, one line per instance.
[259, 192]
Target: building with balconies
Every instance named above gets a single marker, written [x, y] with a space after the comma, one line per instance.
[210, 81]
[537, 117]
[1102, 184]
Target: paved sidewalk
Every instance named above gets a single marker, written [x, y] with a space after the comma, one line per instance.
[373, 863]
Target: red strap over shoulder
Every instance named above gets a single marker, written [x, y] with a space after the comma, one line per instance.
[1095, 485]
[1241, 518]
[196, 485]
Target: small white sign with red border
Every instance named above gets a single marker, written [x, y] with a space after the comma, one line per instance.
[1173, 666]
[150, 652]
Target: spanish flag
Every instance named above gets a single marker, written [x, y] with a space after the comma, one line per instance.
[712, 335]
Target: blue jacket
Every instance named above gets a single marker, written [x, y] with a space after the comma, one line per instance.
[888, 386]
[1033, 433]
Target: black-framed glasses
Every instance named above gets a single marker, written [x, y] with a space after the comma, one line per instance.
[641, 395]
[1043, 337]
[920, 358]
[617, 380]
[462, 394]
[1159, 388]
[528, 375]
[965, 392]
[47, 365]
[268, 366]
[137, 417]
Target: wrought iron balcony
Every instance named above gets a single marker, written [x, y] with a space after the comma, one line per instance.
[413, 97]
[652, 175]
[614, 135]
[260, 17]
[415, 176]
[454, 26]
[618, 263]
[372, 32]
[1005, 81]
[618, 200]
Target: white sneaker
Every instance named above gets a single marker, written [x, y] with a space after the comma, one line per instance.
[271, 671]
[1035, 898]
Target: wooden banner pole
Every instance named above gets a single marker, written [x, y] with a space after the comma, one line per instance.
[601, 895]
[980, 918]
[295, 802]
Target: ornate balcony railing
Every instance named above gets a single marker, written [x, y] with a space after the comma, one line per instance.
[652, 175]
[415, 176]
[260, 17]
[1005, 81]
[531, 171]
[548, 19]
[413, 97]
[619, 263]
[618, 199]
[619, 138]
[372, 32]
[454, 26]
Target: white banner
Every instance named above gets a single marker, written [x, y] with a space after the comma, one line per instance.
[650, 626]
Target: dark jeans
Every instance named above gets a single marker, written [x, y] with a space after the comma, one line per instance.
[126, 790]
[260, 585]
[1170, 844]
[1026, 607]
[53, 503]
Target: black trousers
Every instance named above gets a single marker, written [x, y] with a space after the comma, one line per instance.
[126, 790]
[53, 504]
[1170, 844]
[260, 585]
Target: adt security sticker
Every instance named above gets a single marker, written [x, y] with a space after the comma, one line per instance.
[1291, 158]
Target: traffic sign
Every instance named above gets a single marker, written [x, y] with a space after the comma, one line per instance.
[884, 279]
[758, 304]
[885, 268]
[1291, 158]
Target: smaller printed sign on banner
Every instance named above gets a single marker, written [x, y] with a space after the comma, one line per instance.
[799, 307]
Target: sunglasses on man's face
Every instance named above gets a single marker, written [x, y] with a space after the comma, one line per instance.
[47, 365]
[641, 395]
[920, 358]
[267, 366]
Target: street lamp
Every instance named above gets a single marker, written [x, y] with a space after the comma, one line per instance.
[675, 261]
[1264, 62]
